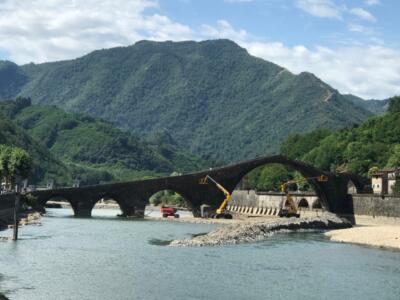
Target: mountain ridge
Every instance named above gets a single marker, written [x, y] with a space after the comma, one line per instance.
[214, 98]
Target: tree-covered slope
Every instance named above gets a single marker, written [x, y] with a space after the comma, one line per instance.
[212, 97]
[45, 165]
[375, 143]
[95, 144]
[12, 79]
[377, 107]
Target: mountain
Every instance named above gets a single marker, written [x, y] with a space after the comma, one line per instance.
[212, 97]
[93, 145]
[377, 107]
[375, 143]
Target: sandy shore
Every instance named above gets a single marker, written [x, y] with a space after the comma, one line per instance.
[383, 236]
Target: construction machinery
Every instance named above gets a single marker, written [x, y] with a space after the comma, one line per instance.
[168, 211]
[289, 208]
[221, 212]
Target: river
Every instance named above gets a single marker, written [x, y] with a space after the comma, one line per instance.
[110, 258]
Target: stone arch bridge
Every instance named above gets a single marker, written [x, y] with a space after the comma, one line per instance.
[133, 196]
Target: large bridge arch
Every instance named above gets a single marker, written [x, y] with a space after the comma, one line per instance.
[306, 170]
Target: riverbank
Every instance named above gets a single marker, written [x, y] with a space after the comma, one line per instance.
[381, 236]
[248, 232]
[26, 218]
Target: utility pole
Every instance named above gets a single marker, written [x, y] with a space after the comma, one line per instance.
[16, 211]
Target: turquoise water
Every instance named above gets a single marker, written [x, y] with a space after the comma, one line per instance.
[110, 258]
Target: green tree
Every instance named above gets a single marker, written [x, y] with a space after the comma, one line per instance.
[271, 177]
[394, 159]
[394, 105]
[14, 163]
[372, 170]
[5, 154]
[168, 197]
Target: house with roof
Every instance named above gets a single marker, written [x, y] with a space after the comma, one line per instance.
[383, 181]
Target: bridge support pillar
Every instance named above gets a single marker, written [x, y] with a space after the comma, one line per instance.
[83, 212]
[136, 211]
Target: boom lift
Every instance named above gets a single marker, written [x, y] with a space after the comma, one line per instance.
[220, 213]
[292, 210]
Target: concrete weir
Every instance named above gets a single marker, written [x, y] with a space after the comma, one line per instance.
[253, 232]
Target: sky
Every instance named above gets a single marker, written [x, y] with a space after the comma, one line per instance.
[352, 45]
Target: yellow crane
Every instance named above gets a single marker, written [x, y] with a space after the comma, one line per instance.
[220, 213]
[292, 209]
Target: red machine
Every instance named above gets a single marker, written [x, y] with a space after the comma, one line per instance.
[169, 212]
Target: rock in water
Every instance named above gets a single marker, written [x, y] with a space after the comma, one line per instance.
[246, 233]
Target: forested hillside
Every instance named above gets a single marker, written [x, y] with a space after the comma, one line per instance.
[79, 143]
[45, 164]
[212, 97]
[375, 143]
[358, 149]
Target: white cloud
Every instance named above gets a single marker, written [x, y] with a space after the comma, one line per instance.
[320, 8]
[223, 30]
[369, 72]
[361, 29]
[39, 30]
[372, 2]
[366, 71]
[363, 14]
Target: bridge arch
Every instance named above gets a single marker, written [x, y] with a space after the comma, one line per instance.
[303, 203]
[170, 196]
[56, 197]
[306, 170]
[359, 183]
[103, 201]
[316, 204]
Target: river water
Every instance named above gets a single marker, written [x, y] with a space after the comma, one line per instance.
[110, 258]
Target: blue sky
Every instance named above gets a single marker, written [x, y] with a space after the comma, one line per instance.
[352, 45]
[272, 20]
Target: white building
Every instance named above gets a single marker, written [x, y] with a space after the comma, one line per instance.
[383, 180]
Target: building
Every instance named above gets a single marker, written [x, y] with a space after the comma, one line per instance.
[383, 180]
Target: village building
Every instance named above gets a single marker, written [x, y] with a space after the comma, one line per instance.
[383, 181]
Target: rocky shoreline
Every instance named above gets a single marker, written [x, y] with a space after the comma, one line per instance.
[258, 231]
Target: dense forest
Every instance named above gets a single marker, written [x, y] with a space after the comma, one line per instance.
[212, 97]
[359, 149]
[85, 148]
